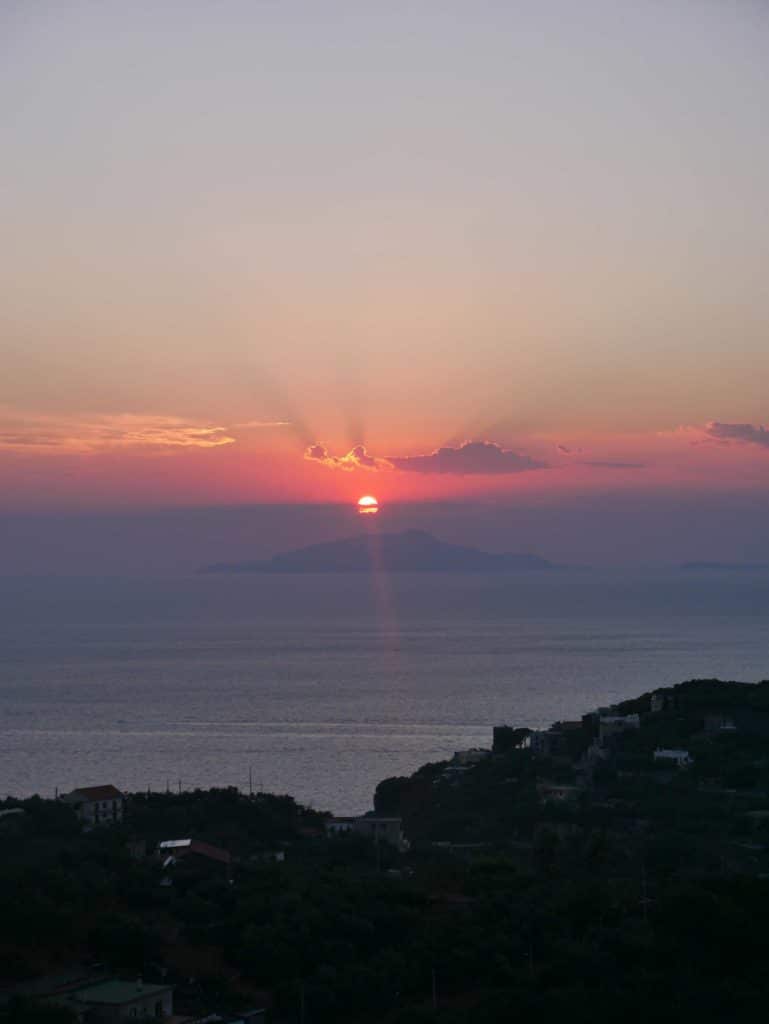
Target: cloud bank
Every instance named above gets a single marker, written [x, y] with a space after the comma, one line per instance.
[473, 458]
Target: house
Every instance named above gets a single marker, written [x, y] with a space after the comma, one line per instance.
[474, 755]
[96, 805]
[112, 1000]
[338, 826]
[95, 998]
[192, 850]
[386, 830]
[681, 758]
[744, 720]
[610, 726]
[719, 722]
[545, 743]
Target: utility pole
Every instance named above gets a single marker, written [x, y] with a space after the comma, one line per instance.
[435, 989]
[250, 781]
[301, 1003]
[180, 787]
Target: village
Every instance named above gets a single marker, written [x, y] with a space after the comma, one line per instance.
[218, 907]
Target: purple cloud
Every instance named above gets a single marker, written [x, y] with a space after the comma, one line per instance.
[473, 458]
[742, 433]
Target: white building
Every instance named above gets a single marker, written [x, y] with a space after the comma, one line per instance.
[386, 830]
[110, 1001]
[96, 805]
[680, 757]
[372, 826]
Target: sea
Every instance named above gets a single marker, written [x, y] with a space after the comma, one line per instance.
[320, 686]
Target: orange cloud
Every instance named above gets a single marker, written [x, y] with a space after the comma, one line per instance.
[69, 435]
[357, 458]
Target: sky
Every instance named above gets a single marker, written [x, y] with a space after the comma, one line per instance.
[491, 254]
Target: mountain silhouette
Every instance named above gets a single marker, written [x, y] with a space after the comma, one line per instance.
[410, 551]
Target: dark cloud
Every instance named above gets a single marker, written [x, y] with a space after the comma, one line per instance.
[742, 433]
[473, 458]
[616, 465]
[564, 449]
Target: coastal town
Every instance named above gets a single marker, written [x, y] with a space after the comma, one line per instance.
[569, 856]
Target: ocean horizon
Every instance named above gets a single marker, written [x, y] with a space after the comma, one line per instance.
[321, 686]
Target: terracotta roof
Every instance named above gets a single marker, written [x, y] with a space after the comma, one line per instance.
[98, 793]
[180, 847]
[207, 850]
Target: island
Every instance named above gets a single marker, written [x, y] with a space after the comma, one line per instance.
[409, 551]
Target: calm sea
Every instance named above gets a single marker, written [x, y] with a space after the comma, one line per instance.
[320, 686]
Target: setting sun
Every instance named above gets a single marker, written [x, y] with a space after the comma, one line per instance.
[368, 505]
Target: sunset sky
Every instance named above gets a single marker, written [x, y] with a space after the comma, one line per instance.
[259, 251]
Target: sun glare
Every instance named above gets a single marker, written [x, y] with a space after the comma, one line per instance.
[368, 505]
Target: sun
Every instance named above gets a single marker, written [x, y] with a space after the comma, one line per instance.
[368, 505]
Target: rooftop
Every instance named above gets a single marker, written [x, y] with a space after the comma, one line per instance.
[97, 793]
[117, 993]
[196, 846]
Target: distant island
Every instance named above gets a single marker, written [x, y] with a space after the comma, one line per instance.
[738, 566]
[410, 551]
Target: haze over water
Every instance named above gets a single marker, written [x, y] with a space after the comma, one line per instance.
[323, 686]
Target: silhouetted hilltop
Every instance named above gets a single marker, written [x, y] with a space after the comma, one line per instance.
[410, 551]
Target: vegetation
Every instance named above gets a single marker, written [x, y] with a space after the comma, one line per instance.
[640, 893]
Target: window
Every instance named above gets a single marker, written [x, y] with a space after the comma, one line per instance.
[159, 1008]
